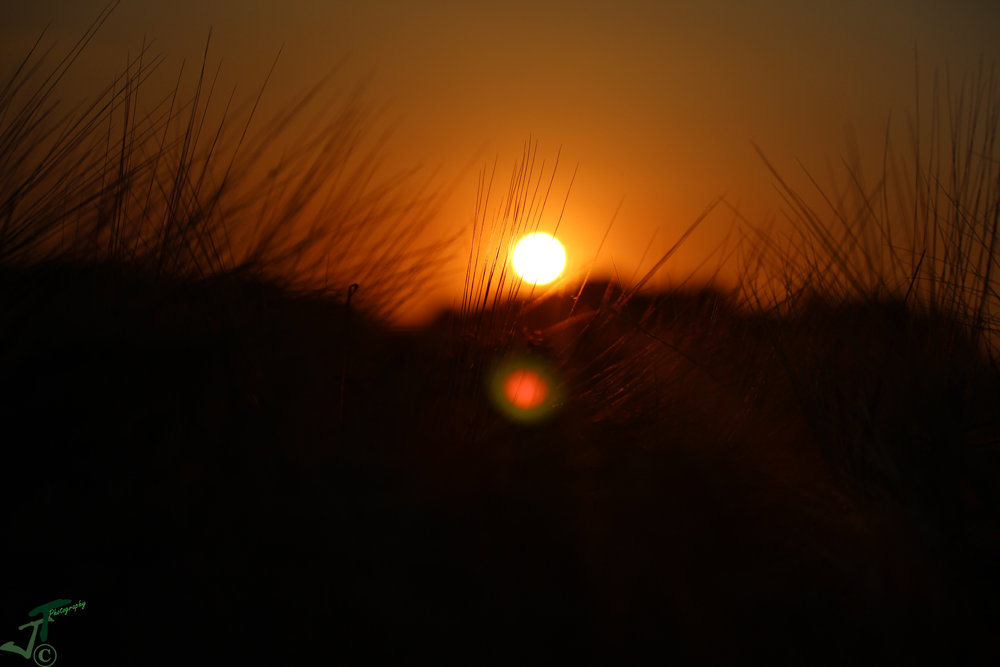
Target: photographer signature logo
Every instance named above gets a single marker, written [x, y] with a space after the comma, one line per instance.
[44, 654]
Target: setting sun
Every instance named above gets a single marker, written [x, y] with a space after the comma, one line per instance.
[539, 258]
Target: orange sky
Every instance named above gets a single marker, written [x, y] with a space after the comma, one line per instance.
[656, 101]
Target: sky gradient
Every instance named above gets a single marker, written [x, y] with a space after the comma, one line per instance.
[657, 102]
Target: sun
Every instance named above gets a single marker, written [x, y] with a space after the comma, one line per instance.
[539, 258]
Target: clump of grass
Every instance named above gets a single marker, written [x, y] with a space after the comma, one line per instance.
[904, 269]
[881, 310]
[181, 186]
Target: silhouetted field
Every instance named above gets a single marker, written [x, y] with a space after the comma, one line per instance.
[228, 459]
[180, 462]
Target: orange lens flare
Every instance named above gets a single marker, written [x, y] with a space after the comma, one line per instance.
[525, 389]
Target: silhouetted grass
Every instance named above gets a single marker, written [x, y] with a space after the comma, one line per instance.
[226, 464]
[187, 187]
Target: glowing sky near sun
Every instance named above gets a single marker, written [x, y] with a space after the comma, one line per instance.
[657, 102]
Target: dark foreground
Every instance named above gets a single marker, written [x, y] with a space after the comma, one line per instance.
[821, 490]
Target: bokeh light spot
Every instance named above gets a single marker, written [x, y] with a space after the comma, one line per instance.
[525, 388]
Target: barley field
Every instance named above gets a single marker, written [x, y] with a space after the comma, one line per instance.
[214, 435]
